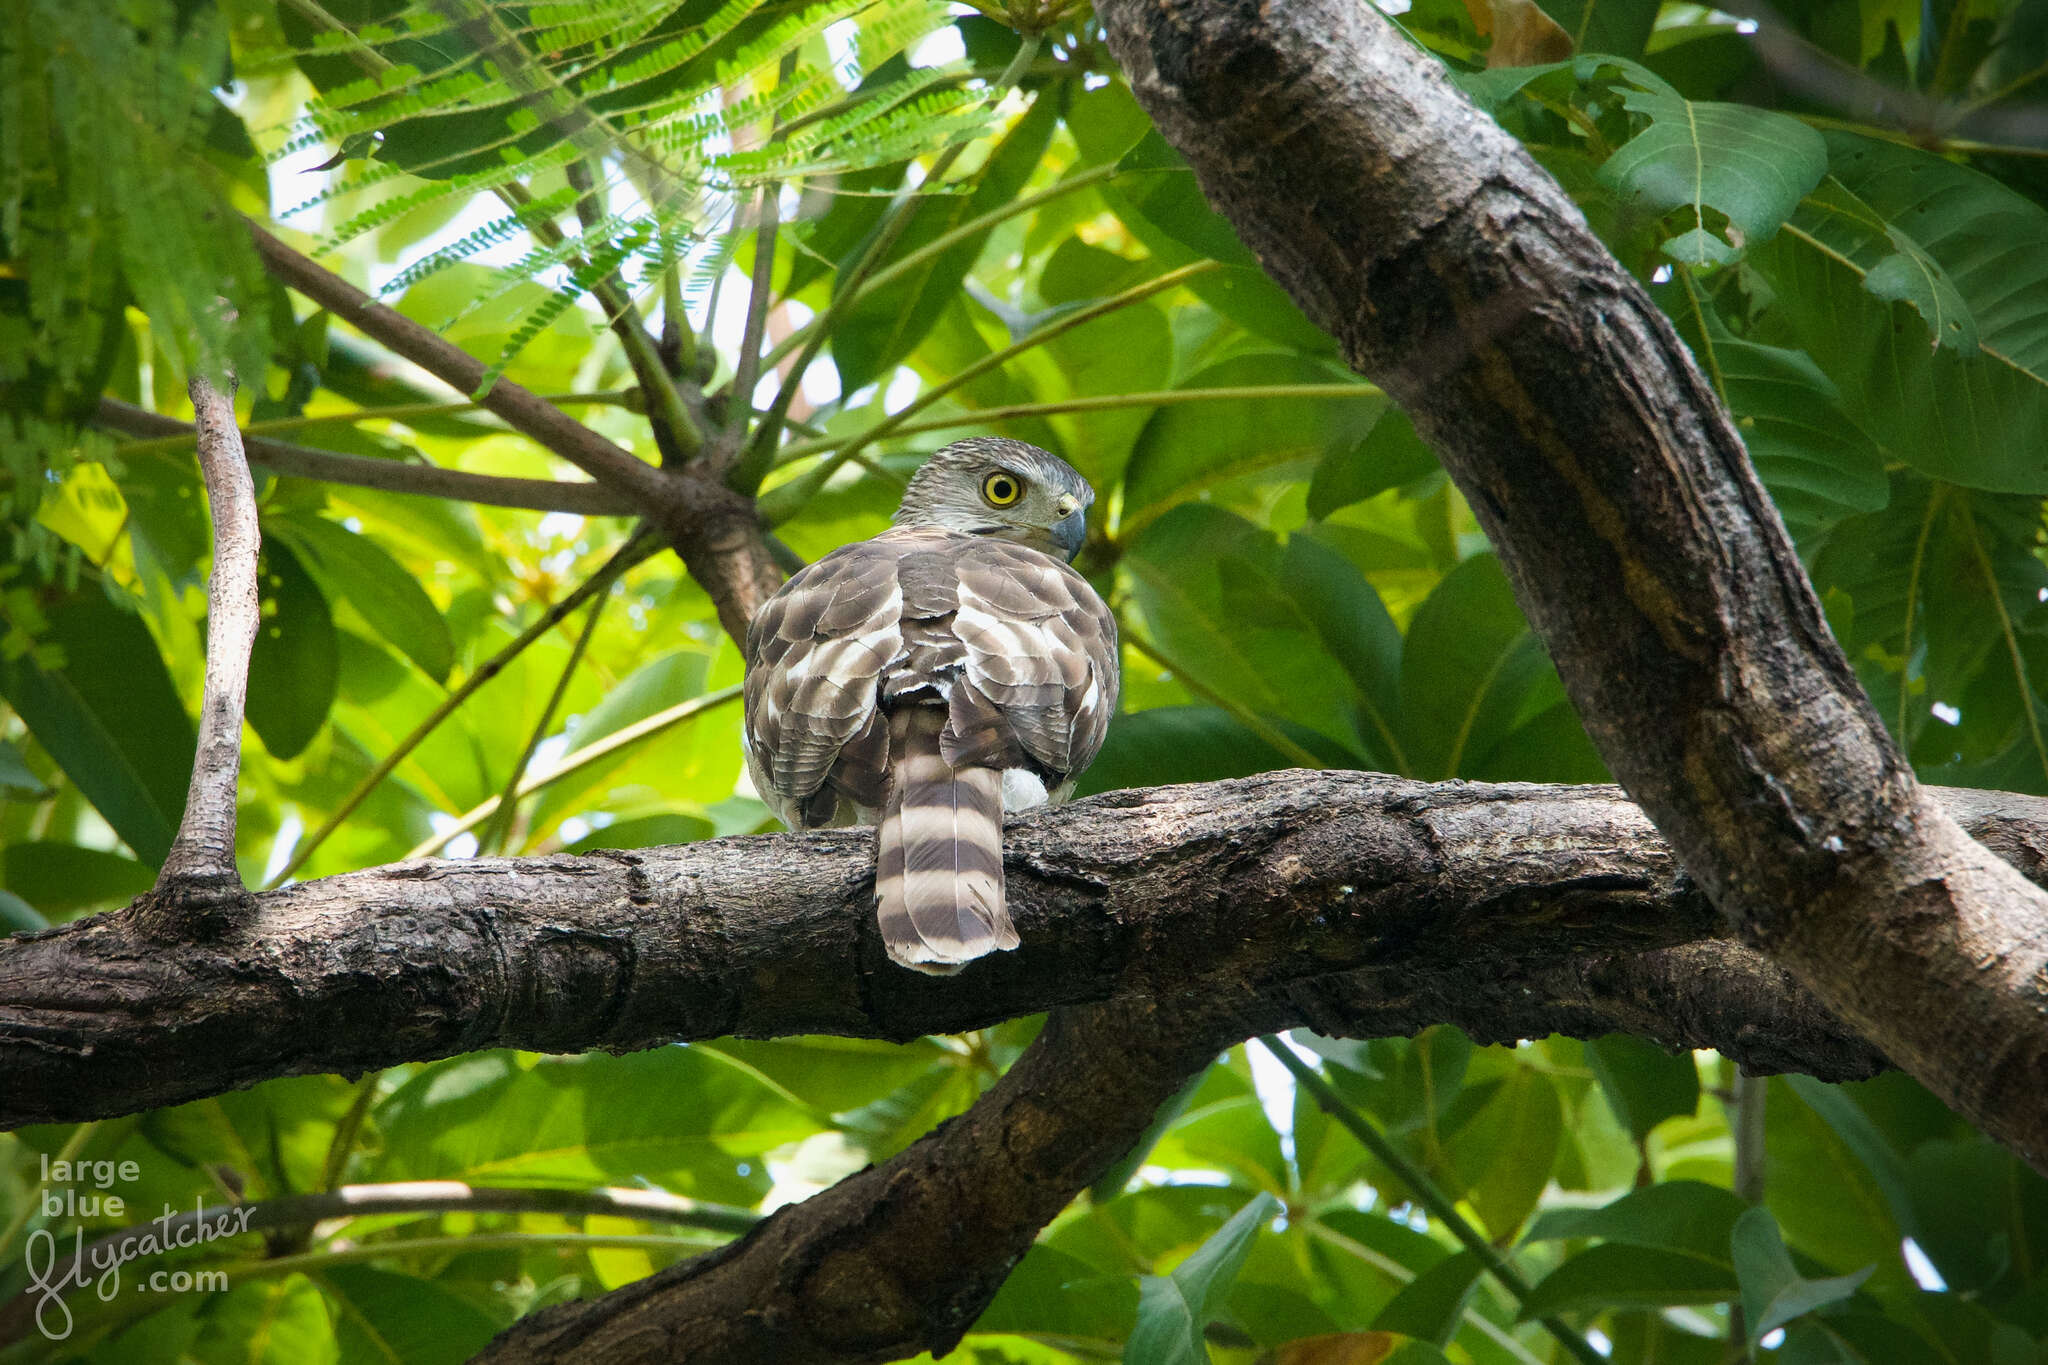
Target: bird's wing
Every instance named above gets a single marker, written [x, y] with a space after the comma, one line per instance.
[1040, 660]
[815, 653]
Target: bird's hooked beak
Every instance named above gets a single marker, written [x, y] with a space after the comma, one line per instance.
[1070, 531]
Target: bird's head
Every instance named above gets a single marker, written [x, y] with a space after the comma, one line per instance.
[990, 486]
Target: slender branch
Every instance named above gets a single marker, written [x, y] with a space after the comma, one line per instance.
[747, 366]
[391, 476]
[664, 719]
[201, 864]
[760, 453]
[1425, 1193]
[524, 410]
[627, 555]
[396, 412]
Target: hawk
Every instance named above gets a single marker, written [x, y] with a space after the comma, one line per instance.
[929, 679]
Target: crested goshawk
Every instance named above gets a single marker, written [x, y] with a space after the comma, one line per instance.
[931, 678]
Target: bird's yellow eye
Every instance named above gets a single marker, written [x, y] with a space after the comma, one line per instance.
[1002, 488]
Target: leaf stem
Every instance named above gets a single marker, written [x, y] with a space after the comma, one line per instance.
[1246, 717]
[1106, 402]
[779, 503]
[1424, 1191]
[500, 828]
[581, 758]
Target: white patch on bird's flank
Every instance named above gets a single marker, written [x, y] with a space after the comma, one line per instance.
[1022, 789]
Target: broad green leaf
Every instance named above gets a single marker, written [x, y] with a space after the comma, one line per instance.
[1818, 464]
[1773, 1292]
[1391, 455]
[1169, 744]
[18, 781]
[1673, 1215]
[58, 878]
[646, 831]
[1503, 1154]
[688, 1122]
[1617, 1276]
[1206, 583]
[355, 569]
[1469, 670]
[269, 1322]
[296, 664]
[1355, 629]
[17, 915]
[1643, 1083]
[1433, 1304]
[1187, 449]
[1619, 27]
[1053, 1294]
[832, 1074]
[1356, 1348]
[1173, 1309]
[1966, 255]
[1748, 164]
[382, 1317]
[105, 709]
[1826, 1198]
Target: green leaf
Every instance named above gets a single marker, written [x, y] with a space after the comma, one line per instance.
[17, 781]
[355, 569]
[1173, 1309]
[109, 715]
[1168, 744]
[1617, 1276]
[1189, 448]
[1818, 464]
[1470, 670]
[1619, 27]
[1353, 625]
[690, 1121]
[1207, 583]
[1825, 1196]
[887, 323]
[1773, 1292]
[17, 915]
[1390, 456]
[269, 1322]
[1749, 164]
[1053, 1294]
[1432, 1305]
[1643, 1083]
[383, 1316]
[58, 878]
[1672, 1215]
[1503, 1153]
[1921, 287]
[646, 831]
[296, 664]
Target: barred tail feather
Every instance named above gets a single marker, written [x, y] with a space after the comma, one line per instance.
[939, 873]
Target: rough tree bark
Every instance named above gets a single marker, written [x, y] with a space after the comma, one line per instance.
[1455, 272]
[1357, 903]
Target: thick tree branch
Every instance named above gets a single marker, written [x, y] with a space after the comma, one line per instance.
[391, 476]
[1455, 272]
[1511, 911]
[903, 1256]
[524, 410]
[713, 529]
[200, 870]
